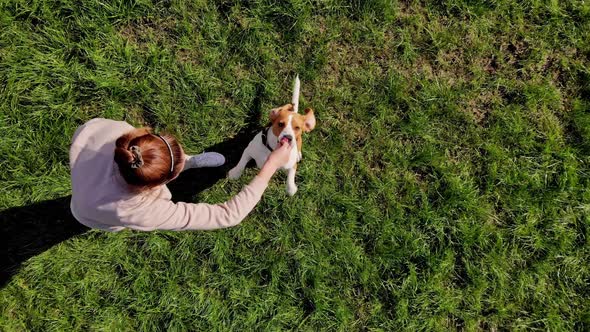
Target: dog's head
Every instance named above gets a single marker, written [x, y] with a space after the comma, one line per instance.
[288, 125]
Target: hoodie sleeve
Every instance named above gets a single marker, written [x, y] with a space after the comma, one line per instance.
[164, 214]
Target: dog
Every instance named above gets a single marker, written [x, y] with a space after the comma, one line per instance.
[286, 126]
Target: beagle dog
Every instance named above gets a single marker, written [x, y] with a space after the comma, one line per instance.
[286, 126]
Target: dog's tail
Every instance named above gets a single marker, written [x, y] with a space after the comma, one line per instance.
[295, 99]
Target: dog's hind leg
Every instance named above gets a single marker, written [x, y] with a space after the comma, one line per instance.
[291, 186]
[236, 172]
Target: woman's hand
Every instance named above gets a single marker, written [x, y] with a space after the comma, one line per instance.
[280, 156]
[276, 159]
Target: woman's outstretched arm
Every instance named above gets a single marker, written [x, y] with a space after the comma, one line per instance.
[166, 215]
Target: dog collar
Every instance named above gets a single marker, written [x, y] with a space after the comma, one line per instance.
[265, 139]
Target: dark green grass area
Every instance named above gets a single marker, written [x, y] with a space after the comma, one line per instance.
[447, 185]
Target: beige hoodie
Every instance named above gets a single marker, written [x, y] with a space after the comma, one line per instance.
[101, 198]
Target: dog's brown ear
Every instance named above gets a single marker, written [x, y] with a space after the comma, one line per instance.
[309, 120]
[274, 113]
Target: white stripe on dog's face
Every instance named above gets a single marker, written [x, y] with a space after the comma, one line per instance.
[288, 130]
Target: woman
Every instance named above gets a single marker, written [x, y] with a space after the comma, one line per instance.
[119, 175]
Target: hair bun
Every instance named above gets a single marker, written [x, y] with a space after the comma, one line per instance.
[142, 158]
[123, 157]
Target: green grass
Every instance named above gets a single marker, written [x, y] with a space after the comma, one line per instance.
[447, 185]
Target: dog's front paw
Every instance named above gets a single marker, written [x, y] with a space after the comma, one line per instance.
[234, 173]
[291, 190]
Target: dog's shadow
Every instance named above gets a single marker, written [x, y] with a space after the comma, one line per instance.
[30, 230]
[193, 181]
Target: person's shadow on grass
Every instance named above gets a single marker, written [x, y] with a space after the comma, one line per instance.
[30, 230]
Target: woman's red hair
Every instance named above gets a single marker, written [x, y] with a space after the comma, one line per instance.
[155, 169]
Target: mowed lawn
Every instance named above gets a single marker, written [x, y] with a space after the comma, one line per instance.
[446, 186]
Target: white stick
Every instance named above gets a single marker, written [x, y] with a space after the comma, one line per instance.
[295, 99]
